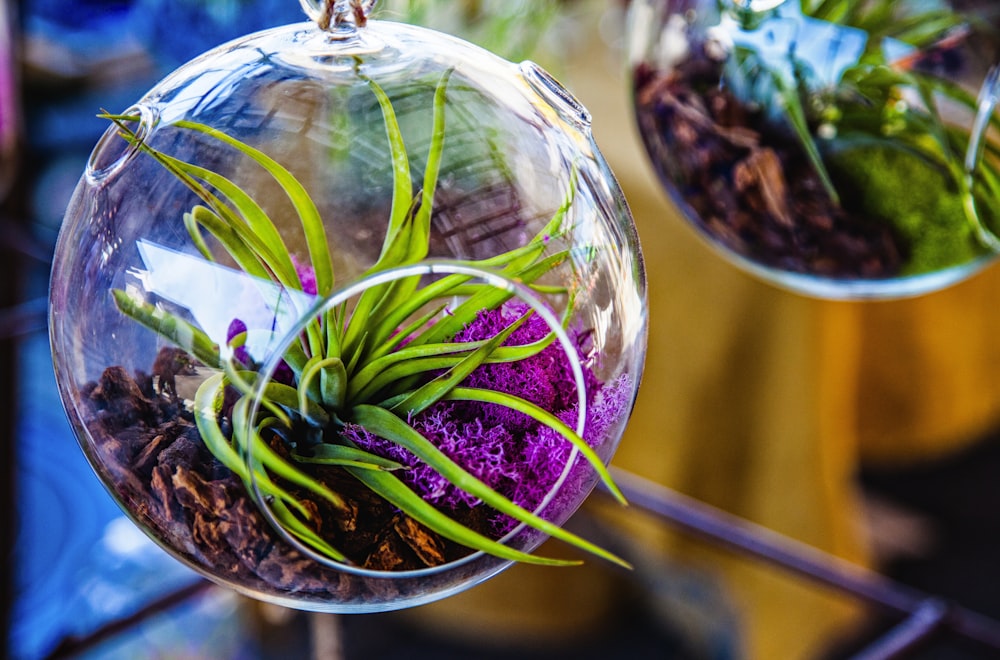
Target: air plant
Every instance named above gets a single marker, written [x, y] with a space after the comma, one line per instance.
[361, 374]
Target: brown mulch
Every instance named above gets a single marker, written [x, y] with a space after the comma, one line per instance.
[152, 452]
[748, 182]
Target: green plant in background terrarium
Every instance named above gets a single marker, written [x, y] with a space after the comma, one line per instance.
[349, 319]
[842, 149]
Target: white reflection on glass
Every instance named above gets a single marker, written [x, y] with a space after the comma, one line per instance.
[269, 310]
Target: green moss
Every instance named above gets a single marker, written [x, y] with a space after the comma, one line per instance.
[916, 196]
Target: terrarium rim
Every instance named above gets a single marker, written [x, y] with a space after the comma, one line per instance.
[363, 46]
[355, 288]
[152, 113]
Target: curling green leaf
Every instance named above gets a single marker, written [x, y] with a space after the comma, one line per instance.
[169, 326]
[420, 239]
[294, 526]
[260, 232]
[488, 297]
[262, 454]
[402, 193]
[385, 424]
[312, 223]
[325, 380]
[412, 360]
[401, 496]
[331, 454]
[246, 257]
[436, 389]
[207, 407]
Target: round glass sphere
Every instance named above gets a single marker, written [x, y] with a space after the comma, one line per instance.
[349, 319]
[840, 150]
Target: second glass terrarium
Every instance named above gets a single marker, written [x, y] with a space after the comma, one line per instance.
[839, 149]
[350, 316]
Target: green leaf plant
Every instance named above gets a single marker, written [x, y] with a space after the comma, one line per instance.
[884, 103]
[374, 365]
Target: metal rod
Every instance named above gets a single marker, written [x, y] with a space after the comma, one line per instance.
[924, 615]
[74, 645]
[720, 527]
[929, 618]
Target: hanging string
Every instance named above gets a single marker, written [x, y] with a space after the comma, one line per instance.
[334, 13]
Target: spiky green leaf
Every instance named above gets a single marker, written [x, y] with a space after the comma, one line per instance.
[385, 424]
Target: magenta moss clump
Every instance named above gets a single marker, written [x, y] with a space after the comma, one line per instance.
[545, 379]
[506, 449]
[307, 275]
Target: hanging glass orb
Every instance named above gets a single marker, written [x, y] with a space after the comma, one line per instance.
[349, 315]
[837, 149]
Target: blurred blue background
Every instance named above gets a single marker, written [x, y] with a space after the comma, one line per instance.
[78, 564]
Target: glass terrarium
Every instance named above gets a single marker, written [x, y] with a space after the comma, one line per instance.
[349, 315]
[836, 148]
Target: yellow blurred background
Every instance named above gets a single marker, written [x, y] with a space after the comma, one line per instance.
[755, 400]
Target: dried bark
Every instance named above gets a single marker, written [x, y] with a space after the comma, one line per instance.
[748, 181]
[167, 477]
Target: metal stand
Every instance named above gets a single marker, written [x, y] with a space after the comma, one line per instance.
[924, 615]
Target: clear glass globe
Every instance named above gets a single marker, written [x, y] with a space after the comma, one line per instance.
[837, 149]
[306, 248]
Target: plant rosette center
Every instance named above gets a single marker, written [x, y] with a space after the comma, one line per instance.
[500, 451]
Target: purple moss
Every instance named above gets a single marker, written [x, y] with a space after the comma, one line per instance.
[240, 353]
[508, 450]
[307, 276]
[545, 379]
[282, 373]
